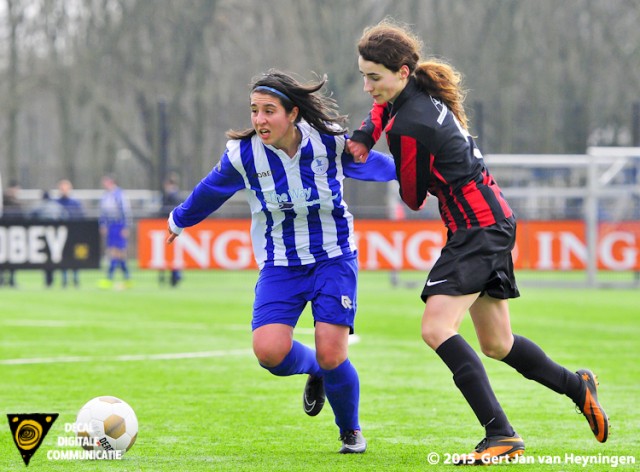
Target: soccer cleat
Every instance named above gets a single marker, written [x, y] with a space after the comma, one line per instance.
[588, 405]
[494, 450]
[353, 443]
[313, 396]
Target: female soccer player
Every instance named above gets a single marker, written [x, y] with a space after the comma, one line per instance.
[291, 165]
[419, 105]
[115, 221]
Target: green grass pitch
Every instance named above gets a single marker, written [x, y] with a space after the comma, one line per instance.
[216, 409]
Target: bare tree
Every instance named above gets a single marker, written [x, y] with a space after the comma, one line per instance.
[14, 20]
[88, 85]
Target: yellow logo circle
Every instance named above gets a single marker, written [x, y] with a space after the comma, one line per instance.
[28, 434]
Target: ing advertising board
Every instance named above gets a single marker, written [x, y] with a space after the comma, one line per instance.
[394, 245]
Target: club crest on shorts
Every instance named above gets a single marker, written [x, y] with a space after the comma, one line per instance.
[320, 165]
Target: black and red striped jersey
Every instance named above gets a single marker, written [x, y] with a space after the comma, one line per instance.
[433, 153]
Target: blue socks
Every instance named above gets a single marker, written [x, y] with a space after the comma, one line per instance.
[125, 269]
[114, 264]
[342, 388]
[300, 360]
[341, 385]
[112, 268]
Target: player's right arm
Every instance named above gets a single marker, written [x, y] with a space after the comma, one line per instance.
[209, 195]
[363, 139]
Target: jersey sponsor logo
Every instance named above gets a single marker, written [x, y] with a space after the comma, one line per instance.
[260, 175]
[294, 198]
[320, 165]
[286, 206]
[431, 283]
[293, 195]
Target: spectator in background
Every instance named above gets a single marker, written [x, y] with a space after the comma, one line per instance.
[115, 220]
[170, 200]
[12, 209]
[48, 210]
[75, 211]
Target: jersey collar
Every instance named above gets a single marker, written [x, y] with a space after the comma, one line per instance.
[410, 90]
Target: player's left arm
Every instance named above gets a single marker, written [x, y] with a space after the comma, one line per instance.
[379, 167]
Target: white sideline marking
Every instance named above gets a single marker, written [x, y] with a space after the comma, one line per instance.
[353, 339]
[127, 358]
[37, 323]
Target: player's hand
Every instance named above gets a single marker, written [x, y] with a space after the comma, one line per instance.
[358, 150]
[171, 237]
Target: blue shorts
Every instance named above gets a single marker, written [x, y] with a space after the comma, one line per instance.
[283, 292]
[114, 236]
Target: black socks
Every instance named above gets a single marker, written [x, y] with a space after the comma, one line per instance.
[471, 378]
[531, 361]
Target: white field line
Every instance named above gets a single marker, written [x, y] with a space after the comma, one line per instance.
[168, 325]
[127, 358]
[37, 323]
[353, 339]
[75, 323]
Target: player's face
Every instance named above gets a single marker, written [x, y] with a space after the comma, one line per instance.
[382, 84]
[272, 122]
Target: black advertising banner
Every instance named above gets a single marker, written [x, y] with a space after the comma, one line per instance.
[32, 244]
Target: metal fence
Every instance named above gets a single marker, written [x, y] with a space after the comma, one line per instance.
[600, 189]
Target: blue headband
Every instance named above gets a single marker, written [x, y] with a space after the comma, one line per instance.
[272, 90]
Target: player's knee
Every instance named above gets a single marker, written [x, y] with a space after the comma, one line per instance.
[433, 336]
[495, 350]
[329, 359]
[269, 356]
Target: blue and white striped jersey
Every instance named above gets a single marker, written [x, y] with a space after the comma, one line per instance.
[115, 208]
[298, 212]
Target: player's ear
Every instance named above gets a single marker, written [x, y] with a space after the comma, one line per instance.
[404, 71]
[293, 115]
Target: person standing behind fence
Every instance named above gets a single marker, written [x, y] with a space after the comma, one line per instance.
[48, 210]
[75, 211]
[170, 199]
[419, 106]
[12, 209]
[115, 221]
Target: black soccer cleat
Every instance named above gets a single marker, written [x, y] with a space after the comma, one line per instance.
[313, 396]
[587, 404]
[494, 450]
[353, 442]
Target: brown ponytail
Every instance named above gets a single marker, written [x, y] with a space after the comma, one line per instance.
[442, 81]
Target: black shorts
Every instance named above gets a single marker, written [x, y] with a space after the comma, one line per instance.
[476, 260]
